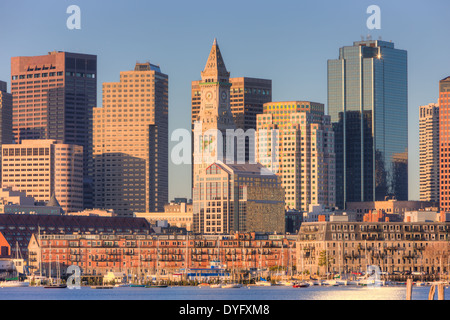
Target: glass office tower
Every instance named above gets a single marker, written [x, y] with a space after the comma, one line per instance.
[368, 105]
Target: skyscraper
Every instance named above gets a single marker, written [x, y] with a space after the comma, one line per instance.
[368, 105]
[429, 152]
[214, 117]
[45, 169]
[5, 114]
[53, 98]
[247, 97]
[131, 135]
[444, 142]
[304, 151]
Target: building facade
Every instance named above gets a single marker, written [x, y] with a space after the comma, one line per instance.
[295, 140]
[6, 102]
[429, 152]
[131, 143]
[238, 198]
[143, 254]
[444, 142]
[53, 98]
[389, 206]
[214, 117]
[368, 105]
[19, 228]
[247, 97]
[349, 247]
[176, 214]
[45, 168]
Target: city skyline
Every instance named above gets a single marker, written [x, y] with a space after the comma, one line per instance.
[259, 51]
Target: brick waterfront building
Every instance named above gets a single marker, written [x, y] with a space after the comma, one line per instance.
[347, 247]
[142, 254]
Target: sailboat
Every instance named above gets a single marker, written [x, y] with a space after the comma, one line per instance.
[233, 284]
[15, 281]
[58, 284]
[155, 284]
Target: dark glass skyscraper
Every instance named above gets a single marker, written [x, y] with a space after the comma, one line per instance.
[368, 105]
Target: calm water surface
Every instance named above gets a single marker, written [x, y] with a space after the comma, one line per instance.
[195, 293]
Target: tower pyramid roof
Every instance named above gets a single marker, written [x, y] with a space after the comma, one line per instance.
[215, 66]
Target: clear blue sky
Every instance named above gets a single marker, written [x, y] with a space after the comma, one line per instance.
[286, 41]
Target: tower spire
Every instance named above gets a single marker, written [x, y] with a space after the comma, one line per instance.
[215, 69]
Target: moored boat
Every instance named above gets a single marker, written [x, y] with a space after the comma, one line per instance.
[55, 286]
[156, 286]
[14, 284]
[232, 285]
[263, 283]
[301, 285]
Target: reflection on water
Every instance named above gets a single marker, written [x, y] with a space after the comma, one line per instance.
[195, 293]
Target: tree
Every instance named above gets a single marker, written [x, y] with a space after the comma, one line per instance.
[438, 252]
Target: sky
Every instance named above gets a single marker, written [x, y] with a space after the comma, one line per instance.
[288, 42]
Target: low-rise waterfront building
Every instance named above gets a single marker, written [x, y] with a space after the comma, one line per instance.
[148, 254]
[5, 248]
[350, 247]
[18, 228]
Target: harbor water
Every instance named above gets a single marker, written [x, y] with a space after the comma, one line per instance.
[243, 294]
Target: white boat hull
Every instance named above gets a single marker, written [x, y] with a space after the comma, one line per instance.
[14, 284]
[263, 284]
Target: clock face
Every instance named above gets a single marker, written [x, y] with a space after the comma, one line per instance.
[209, 95]
[224, 95]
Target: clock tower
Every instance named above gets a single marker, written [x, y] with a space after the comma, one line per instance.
[215, 115]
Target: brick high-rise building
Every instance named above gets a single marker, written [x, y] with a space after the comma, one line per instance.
[296, 141]
[444, 141]
[53, 98]
[429, 152]
[131, 133]
[45, 169]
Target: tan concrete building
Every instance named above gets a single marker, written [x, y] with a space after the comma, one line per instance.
[176, 214]
[347, 247]
[295, 140]
[45, 168]
[238, 198]
[389, 206]
[429, 152]
[131, 143]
